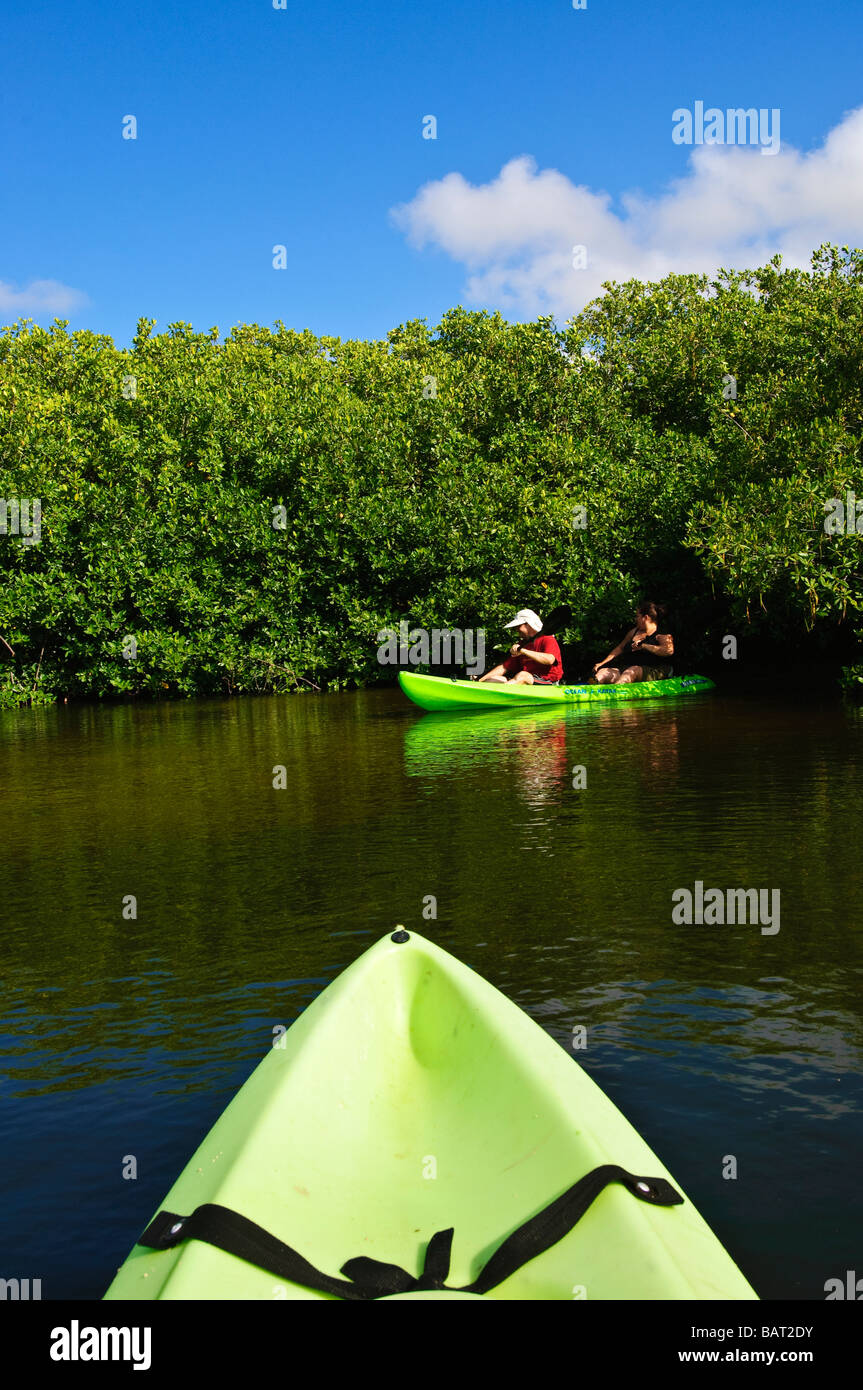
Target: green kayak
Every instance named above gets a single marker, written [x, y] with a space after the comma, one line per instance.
[414, 1134]
[441, 692]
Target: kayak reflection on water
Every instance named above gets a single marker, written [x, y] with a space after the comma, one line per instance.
[626, 662]
[534, 660]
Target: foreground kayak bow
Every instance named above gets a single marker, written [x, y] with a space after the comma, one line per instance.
[419, 1136]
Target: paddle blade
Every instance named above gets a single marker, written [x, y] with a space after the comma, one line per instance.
[557, 620]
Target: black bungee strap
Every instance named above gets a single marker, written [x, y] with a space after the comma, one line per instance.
[369, 1279]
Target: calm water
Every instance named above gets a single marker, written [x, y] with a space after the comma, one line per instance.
[123, 1037]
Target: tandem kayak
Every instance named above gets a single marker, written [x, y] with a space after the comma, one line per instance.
[442, 692]
[414, 1134]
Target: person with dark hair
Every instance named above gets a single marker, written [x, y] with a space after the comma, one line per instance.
[644, 654]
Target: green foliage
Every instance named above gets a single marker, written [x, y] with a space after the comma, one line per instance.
[433, 476]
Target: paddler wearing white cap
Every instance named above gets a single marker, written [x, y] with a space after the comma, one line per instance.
[535, 660]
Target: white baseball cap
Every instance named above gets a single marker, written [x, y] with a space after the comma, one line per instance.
[526, 615]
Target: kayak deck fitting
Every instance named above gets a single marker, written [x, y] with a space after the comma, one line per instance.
[415, 1134]
[443, 692]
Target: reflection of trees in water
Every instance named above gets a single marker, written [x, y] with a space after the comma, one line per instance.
[653, 744]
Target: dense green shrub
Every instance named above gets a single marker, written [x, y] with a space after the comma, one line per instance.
[251, 512]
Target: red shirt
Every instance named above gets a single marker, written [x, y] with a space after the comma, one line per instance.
[536, 668]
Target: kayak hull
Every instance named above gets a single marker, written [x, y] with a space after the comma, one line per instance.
[408, 1098]
[442, 693]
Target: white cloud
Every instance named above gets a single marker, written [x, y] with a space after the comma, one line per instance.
[734, 208]
[40, 297]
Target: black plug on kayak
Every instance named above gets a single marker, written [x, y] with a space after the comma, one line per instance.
[400, 935]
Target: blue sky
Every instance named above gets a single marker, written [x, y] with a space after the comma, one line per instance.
[303, 127]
